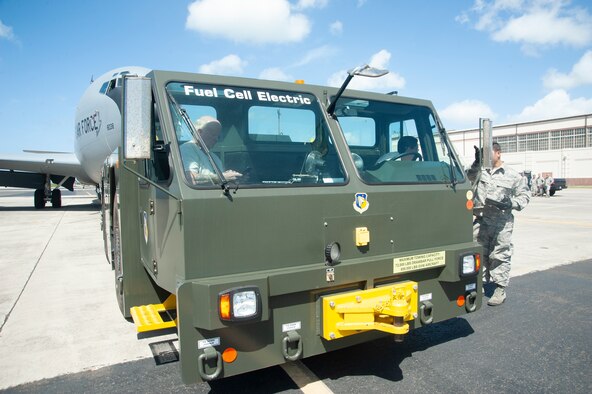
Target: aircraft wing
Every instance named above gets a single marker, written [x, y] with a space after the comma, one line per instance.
[28, 169]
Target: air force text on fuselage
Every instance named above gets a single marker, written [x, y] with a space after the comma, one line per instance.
[91, 123]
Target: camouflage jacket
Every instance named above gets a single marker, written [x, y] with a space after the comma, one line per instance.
[495, 184]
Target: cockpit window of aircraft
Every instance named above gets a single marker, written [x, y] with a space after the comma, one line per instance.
[256, 137]
[104, 87]
[396, 143]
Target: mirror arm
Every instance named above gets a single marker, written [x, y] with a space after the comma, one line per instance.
[331, 107]
[365, 71]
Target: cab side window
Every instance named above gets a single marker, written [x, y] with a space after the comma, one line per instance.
[158, 168]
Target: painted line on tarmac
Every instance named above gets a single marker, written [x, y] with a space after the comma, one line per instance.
[566, 222]
[32, 271]
[305, 379]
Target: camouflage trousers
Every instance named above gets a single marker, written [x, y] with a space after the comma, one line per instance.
[496, 239]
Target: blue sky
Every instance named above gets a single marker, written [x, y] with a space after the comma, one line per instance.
[509, 60]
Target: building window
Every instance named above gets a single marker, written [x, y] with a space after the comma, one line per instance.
[555, 140]
[580, 138]
[567, 140]
[507, 143]
[539, 141]
[522, 143]
[546, 140]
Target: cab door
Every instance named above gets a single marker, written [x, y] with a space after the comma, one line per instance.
[152, 200]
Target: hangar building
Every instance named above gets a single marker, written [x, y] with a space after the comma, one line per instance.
[560, 147]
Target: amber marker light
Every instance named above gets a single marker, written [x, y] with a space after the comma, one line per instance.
[225, 306]
[299, 81]
[477, 261]
[469, 205]
[229, 355]
[460, 301]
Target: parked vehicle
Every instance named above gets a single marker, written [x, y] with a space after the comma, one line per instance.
[558, 184]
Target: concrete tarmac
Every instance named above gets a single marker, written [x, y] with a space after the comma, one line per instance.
[553, 231]
[538, 341]
[58, 311]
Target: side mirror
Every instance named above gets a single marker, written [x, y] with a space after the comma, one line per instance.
[368, 71]
[137, 117]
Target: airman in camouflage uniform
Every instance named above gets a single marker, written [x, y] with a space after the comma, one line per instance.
[498, 191]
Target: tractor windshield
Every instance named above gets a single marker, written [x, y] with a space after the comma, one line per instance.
[256, 137]
[396, 143]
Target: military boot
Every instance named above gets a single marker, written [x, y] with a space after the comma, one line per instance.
[498, 297]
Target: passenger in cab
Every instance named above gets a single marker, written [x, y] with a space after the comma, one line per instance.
[195, 160]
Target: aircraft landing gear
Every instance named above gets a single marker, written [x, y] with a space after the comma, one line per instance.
[46, 194]
[56, 198]
[39, 198]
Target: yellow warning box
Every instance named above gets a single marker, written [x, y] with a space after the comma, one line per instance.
[362, 236]
[419, 262]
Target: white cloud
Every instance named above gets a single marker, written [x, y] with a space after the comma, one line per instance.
[228, 65]
[533, 23]
[465, 114]
[337, 78]
[462, 18]
[545, 27]
[380, 60]
[315, 54]
[303, 4]
[556, 104]
[275, 74]
[336, 28]
[6, 32]
[248, 21]
[581, 74]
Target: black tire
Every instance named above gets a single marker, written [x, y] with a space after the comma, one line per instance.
[106, 229]
[56, 198]
[117, 260]
[552, 192]
[39, 199]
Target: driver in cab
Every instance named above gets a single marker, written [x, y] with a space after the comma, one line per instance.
[408, 148]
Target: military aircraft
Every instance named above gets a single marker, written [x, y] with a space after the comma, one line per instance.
[97, 134]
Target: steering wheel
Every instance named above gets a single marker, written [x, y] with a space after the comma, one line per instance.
[396, 155]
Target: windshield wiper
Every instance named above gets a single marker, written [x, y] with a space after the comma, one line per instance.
[183, 114]
[453, 162]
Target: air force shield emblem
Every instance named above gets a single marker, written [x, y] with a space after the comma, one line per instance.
[361, 203]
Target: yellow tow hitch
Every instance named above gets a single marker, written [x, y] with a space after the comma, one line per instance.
[383, 308]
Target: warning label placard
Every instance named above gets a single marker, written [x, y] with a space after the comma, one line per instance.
[419, 262]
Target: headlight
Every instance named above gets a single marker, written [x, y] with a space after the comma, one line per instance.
[243, 303]
[469, 264]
